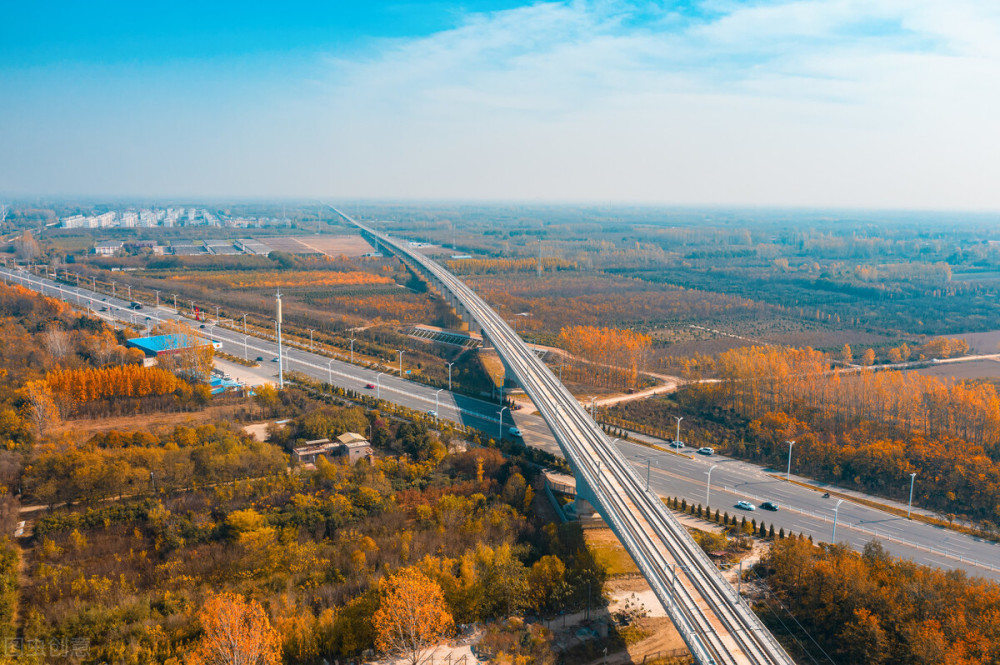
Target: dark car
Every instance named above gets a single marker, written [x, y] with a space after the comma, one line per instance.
[260, 359]
[769, 505]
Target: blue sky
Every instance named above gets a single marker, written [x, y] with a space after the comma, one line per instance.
[876, 103]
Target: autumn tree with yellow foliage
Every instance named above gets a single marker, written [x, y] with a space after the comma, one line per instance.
[412, 615]
[614, 357]
[237, 632]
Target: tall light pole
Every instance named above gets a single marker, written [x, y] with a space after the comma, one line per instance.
[352, 350]
[437, 403]
[281, 357]
[788, 471]
[154, 291]
[246, 356]
[708, 485]
[129, 286]
[910, 504]
[175, 302]
[500, 438]
[678, 419]
[378, 385]
[592, 398]
[329, 369]
[836, 512]
[311, 331]
[449, 376]
[244, 323]
[401, 364]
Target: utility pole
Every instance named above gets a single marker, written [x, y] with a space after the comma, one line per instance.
[157, 297]
[281, 357]
[244, 323]
[352, 350]
[400, 364]
[678, 419]
[311, 330]
[449, 376]
[788, 471]
[175, 302]
[539, 257]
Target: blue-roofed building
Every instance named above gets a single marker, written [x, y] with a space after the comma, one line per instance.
[158, 345]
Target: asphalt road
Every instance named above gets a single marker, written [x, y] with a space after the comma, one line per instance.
[802, 510]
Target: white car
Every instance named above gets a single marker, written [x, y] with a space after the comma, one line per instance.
[432, 413]
[676, 444]
[745, 505]
[707, 450]
[514, 431]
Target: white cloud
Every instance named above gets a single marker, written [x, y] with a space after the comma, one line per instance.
[838, 102]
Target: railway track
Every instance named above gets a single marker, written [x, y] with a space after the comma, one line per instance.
[714, 622]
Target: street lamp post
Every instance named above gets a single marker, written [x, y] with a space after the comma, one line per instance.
[836, 512]
[329, 370]
[378, 385]
[246, 356]
[311, 331]
[277, 330]
[437, 403]
[500, 438]
[678, 419]
[401, 364]
[244, 323]
[157, 297]
[592, 406]
[352, 350]
[708, 485]
[788, 471]
[910, 504]
[449, 376]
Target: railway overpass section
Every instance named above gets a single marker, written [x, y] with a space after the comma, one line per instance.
[715, 623]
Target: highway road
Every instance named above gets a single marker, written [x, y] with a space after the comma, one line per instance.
[802, 510]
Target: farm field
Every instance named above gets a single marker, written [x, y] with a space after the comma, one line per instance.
[975, 369]
[982, 342]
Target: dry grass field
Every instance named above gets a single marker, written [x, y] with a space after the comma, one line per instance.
[349, 246]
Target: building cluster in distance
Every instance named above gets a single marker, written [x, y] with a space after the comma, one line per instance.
[165, 217]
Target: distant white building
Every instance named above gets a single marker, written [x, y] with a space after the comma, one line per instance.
[108, 248]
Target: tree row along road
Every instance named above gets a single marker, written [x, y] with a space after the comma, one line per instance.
[716, 625]
[684, 476]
